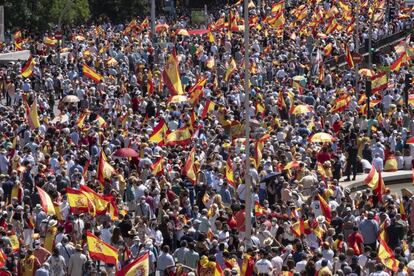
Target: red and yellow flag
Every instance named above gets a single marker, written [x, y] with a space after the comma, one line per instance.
[196, 91]
[298, 228]
[208, 107]
[391, 164]
[171, 75]
[396, 65]
[105, 170]
[231, 68]
[100, 250]
[326, 210]
[100, 202]
[158, 133]
[157, 169]
[27, 69]
[229, 172]
[279, 6]
[332, 25]
[379, 82]
[189, 168]
[3, 258]
[138, 267]
[258, 209]
[14, 241]
[32, 116]
[327, 50]
[79, 202]
[349, 59]
[258, 147]
[375, 182]
[81, 120]
[247, 268]
[181, 137]
[46, 202]
[92, 74]
[50, 41]
[386, 255]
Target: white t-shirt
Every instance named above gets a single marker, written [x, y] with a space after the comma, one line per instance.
[264, 266]
[316, 208]
[277, 263]
[300, 266]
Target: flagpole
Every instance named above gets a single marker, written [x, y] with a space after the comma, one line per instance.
[247, 179]
[357, 48]
[153, 21]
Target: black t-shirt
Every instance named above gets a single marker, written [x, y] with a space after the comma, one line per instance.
[395, 234]
[337, 224]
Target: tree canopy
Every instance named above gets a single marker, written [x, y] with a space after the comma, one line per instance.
[40, 15]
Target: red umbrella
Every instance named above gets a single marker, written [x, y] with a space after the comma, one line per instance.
[126, 152]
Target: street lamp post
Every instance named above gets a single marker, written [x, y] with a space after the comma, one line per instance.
[247, 178]
[65, 8]
[153, 20]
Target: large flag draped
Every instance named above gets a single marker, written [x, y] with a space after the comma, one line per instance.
[171, 75]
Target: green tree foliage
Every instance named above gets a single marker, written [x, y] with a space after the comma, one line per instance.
[118, 11]
[41, 15]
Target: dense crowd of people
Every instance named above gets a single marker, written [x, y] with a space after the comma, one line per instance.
[140, 145]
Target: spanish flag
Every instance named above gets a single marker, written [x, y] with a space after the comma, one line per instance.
[298, 228]
[92, 74]
[386, 256]
[287, 273]
[100, 121]
[196, 91]
[189, 168]
[158, 133]
[258, 209]
[31, 114]
[340, 104]
[279, 6]
[3, 258]
[229, 172]
[101, 251]
[138, 267]
[349, 59]
[260, 109]
[398, 62]
[101, 202]
[171, 75]
[379, 82]
[326, 210]
[46, 201]
[391, 164]
[281, 104]
[327, 50]
[375, 182]
[247, 265]
[27, 69]
[81, 120]
[105, 170]
[258, 147]
[231, 68]
[50, 41]
[79, 202]
[208, 107]
[181, 136]
[278, 21]
[14, 241]
[18, 45]
[331, 26]
[150, 84]
[157, 169]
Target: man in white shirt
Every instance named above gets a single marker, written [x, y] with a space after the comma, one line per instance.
[263, 266]
[300, 266]
[277, 261]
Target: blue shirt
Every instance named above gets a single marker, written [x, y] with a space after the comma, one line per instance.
[42, 272]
